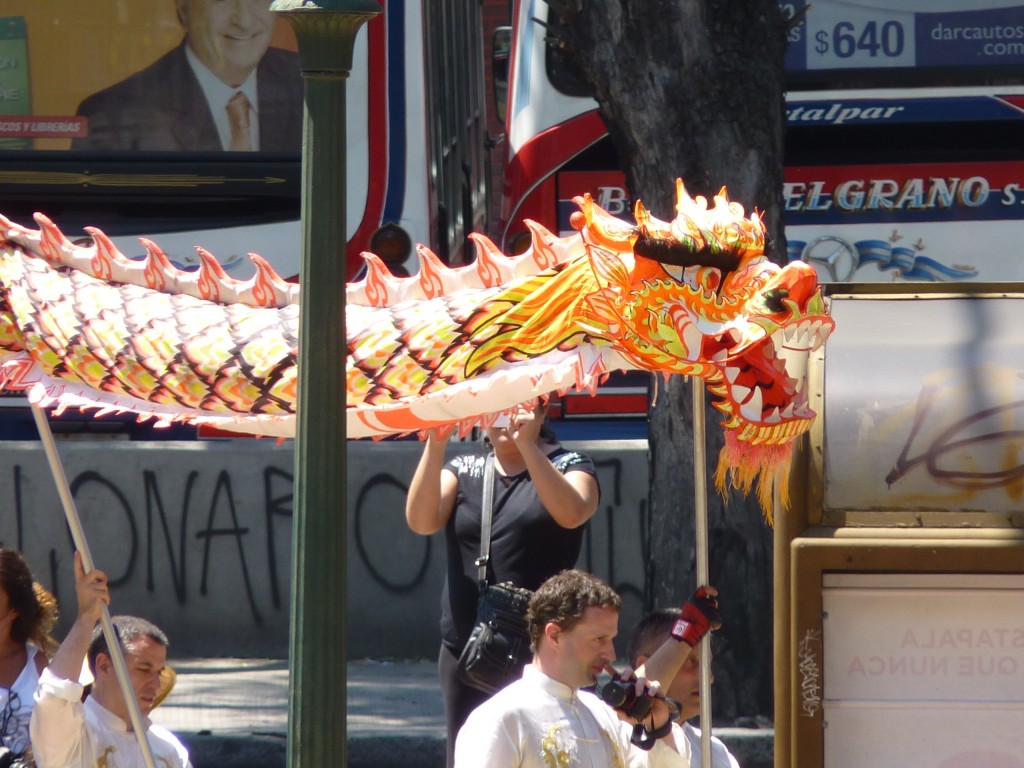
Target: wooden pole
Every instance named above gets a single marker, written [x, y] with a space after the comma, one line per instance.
[700, 510]
[82, 545]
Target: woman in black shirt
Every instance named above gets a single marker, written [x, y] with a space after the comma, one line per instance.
[543, 496]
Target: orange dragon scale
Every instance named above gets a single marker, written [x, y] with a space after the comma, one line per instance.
[87, 327]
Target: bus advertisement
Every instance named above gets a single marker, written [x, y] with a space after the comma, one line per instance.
[913, 40]
[871, 223]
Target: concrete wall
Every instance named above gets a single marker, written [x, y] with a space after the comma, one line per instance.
[197, 537]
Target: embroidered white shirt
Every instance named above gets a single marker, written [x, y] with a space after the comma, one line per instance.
[537, 722]
[69, 734]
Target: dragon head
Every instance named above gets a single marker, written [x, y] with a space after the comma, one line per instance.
[697, 296]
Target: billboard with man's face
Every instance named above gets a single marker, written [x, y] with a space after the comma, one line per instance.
[113, 75]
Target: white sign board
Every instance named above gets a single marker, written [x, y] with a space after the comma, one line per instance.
[923, 670]
[924, 405]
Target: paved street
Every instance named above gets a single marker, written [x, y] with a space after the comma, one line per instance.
[233, 713]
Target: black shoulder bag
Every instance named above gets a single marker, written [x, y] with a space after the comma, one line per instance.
[499, 646]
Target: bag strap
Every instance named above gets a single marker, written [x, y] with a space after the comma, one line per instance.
[486, 512]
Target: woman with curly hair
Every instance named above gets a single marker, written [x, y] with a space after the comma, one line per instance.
[27, 616]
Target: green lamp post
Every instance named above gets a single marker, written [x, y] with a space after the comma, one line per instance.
[326, 31]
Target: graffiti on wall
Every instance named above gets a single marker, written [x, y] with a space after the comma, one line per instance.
[156, 523]
[808, 652]
[191, 537]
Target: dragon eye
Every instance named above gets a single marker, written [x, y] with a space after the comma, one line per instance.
[774, 297]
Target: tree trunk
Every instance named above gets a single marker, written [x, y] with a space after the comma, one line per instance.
[694, 89]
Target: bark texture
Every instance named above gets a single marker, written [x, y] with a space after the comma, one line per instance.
[693, 89]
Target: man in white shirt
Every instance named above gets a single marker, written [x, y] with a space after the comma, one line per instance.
[223, 88]
[684, 688]
[545, 719]
[67, 733]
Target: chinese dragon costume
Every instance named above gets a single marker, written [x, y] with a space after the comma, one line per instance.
[448, 348]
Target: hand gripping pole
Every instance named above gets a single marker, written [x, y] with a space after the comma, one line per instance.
[78, 536]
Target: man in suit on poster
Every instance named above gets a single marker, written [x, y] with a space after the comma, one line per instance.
[222, 88]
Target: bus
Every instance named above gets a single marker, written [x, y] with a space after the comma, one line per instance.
[902, 148]
[903, 158]
[103, 123]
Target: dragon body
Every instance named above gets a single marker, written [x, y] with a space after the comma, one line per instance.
[447, 349]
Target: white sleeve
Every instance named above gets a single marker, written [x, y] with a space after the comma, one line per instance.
[721, 757]
[486, 740]
[667, 755]
[57, 721]
[673, 751]
[662, 755]
[168, 742]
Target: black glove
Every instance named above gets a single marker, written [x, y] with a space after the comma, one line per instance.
[699, 616]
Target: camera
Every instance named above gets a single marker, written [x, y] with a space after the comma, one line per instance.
[621, 695]
[10, 760]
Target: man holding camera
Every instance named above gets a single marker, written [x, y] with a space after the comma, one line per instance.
[545, 718]
[69, 733]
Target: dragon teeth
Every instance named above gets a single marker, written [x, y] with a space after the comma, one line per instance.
[751, 409]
